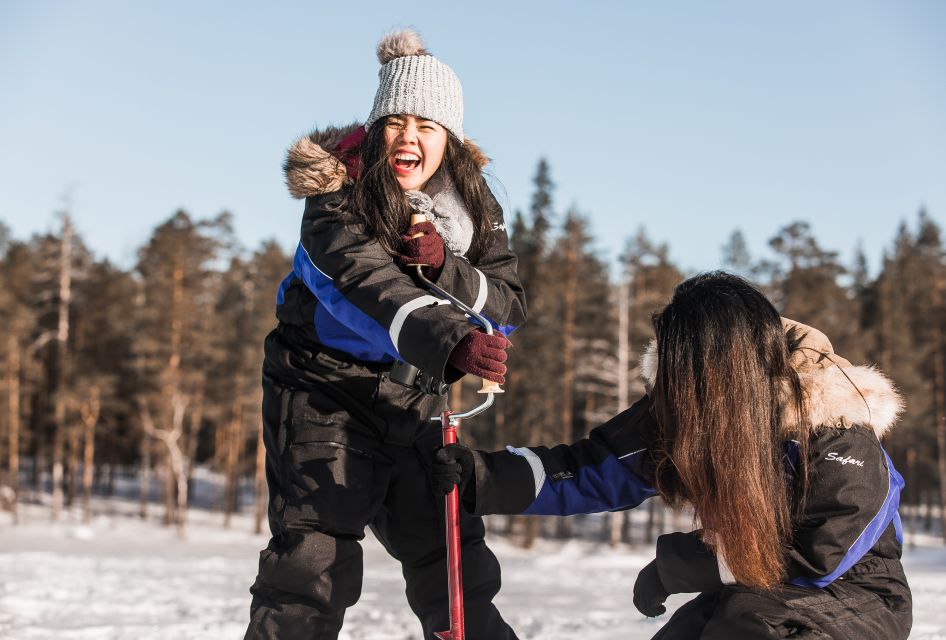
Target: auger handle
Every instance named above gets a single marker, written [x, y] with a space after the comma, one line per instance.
[489, 386]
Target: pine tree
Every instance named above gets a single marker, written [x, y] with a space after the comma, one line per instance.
[930, 248]
[57, 262]
[246, 299]
[60, 362]
[19, 322]
[736, 256]
[268, 265]
[175, 322]
[805, 287]
[103, 333]
[534, 363]
[909, 317]
[652, 278]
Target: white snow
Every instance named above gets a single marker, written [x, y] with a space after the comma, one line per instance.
[122, 578]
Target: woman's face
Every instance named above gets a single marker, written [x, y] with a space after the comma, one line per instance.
[415, 148]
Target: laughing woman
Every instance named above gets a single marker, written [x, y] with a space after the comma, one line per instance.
[347, 447]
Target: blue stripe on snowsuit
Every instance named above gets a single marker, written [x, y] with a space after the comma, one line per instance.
[871, 534]
[610, 485]
[336, 335]
[284, 286]
[365, 334]
[505, 329]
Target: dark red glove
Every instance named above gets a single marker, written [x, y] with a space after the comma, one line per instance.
[426, 249]
[482, 355]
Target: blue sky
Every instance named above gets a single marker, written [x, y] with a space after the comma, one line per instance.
[689, 119]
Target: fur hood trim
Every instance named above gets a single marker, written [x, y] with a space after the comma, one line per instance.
[856, 395]
[315, 165]
[837, 393]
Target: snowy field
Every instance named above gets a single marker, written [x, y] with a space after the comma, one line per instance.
[121, 578]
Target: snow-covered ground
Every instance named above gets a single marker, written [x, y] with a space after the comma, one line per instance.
[121, 578]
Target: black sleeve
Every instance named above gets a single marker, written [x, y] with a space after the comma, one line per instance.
[852, 498]
[359, 284]
[603, 472]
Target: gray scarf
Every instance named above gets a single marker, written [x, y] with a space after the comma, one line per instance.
[441, 204]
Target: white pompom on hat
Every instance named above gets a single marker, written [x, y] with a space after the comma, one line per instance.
[413, 82]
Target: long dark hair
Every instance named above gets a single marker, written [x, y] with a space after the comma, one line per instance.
[723, 381]
[378, 201]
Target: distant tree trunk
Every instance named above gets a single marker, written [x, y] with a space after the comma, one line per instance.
[533, 525]
[110, 481]
[568, 358]
[220, 448]
[62, 342]
[234, 453]
[72, 467]
[499, 428]
[649, 535]
[196, 416]
[177, 460]
[173, 437]
[618, 519]
[13, 408]
[144, 479]
[180, 469]
[531, 531]
[627, 528]
[57, 472]
[170, 512]
[929, 498]
[916, 495]
[262, 493]
[939, 390]
[90, 417]
[37, 447]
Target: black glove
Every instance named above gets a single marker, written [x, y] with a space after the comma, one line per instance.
[686, 563]
[453, 465]
[649, 592]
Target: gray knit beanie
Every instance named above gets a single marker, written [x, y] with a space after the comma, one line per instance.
[414, 82]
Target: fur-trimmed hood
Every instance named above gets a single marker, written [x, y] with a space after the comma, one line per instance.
[326, 160]
[837, 393]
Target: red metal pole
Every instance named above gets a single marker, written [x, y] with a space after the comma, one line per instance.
[454, 567]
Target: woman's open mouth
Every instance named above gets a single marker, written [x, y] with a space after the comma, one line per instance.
[405, 163]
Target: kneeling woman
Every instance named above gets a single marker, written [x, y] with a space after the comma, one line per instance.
[772, 439]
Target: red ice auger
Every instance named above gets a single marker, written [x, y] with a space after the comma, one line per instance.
[449, 421]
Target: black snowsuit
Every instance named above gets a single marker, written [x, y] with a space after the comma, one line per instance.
[348, 448]
[845, 579]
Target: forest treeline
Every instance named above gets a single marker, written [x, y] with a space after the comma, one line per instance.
[143, 374]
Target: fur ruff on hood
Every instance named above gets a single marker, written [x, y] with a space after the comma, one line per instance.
[837, 393]
[327, 160]
[315, 166]
[312, 168]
